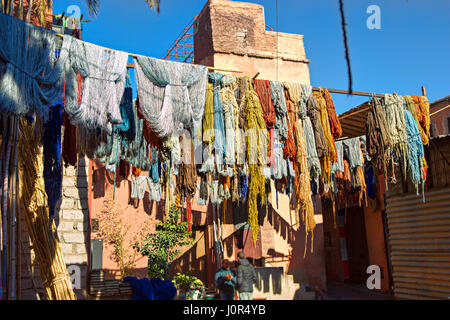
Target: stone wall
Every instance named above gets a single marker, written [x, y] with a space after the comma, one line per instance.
[72, 221]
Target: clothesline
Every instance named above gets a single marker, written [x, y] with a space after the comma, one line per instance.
[339, 91]
[131, 65]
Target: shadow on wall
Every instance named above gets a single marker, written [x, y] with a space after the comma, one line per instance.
[193, 261]
[269, 275]
[310, 268]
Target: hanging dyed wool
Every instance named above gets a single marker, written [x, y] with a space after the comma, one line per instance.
[291, 117]
[426, 115]
[335, 125]
[229, 105]
[332, 154]
[243, 185]
[415, 152]
[138, 187]
[69, 150]
[262, 88]
[280, 164]
[147, 132]
[313, 114]
[208, 118]
[52, 159]
[138, 152]
[235, 186]
[154, 190]
[32, 77]
[339, 165]
[395, 119]
[87, 142]
[294, 92]
[414, 109]
[215, 193]
[104, 72]
[127, 129]
[171, 95]
[344, 183]
[324, 120]
[305, 207]
[378, 141]
[257, 144]
[238, 135]
[313, 159]
[34, 207]
[358, 180]
[277, 92]
[352, 151]
[172, 144]
[242, 89]
[369, 176]
[124, 169]
[203, 195]
[422, 108]
[219, 130]
[187, 174]
[302, 107]
[321, 142]
[70, 146]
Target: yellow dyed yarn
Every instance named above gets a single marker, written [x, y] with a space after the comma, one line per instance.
[426, 114]
[208, 118]
[257, 143]
[304, 204]
[326, 161]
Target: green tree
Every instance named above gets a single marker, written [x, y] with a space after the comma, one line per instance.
[162, 247]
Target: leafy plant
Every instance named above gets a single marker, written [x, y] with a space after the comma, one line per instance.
[114, 232]
[186, 282]
[162, 247]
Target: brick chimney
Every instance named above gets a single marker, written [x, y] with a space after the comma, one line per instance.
[232, 35]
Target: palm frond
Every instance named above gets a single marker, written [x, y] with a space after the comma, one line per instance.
[154, 4]
[93, 6]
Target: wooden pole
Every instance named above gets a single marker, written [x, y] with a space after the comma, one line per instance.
[13, 184]
[424, 91]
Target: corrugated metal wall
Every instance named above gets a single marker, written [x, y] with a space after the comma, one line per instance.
[419, 239]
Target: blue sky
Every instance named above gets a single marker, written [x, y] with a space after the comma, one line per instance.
[411, 49]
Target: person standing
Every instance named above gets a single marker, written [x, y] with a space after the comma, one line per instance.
[246, 278]
[225, 280]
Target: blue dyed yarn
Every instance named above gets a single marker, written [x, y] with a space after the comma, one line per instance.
[415, 152]
[52, 158]
[244, 188]
[219, 130]
[127, 128]
[370, 180]
[155, 166]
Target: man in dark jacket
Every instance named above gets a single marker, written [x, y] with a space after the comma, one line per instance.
[225, 280]
[246, 278]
